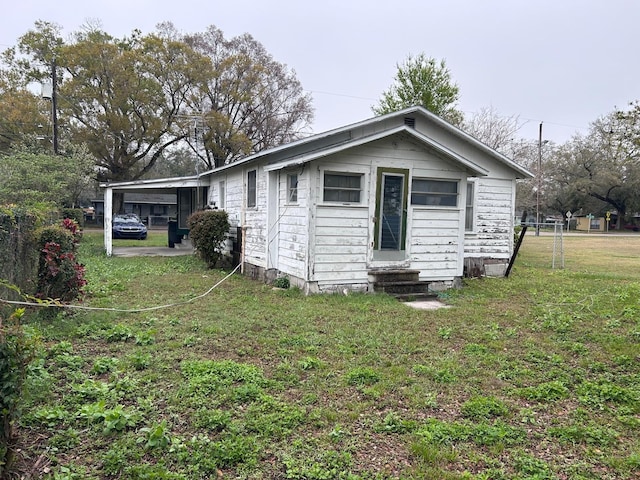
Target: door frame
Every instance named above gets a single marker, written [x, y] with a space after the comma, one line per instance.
[378, 253]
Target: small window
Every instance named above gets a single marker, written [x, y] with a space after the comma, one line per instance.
[342, 187]
[221, 194]
[251, 188]
[443, 193]
[292, 188]
[469, 219]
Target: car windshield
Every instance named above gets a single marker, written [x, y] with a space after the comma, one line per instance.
[126, 220]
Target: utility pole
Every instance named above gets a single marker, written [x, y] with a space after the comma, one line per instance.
[539, 175]
[54, 106]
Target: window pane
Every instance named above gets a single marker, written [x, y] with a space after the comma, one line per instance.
[448, 200]
[335, 181]
[332, 195]
[434, 192]
[341, 181]
[434, 186]
[251, 188]
[353, 181]
[354, 196]
[444, 187]
[418, 199]
[418, 185]
[342, 188]
[222, 194]
[468, 219]
[292, 187]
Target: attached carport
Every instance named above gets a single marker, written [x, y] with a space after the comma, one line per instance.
[191, 194]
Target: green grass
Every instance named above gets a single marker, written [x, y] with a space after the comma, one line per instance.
[535, 376]
[155, 238]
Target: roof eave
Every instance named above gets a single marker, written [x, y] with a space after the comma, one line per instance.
[472, 168]
[174, 182]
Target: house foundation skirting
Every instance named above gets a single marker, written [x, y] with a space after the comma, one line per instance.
[475, 267]
[268, 276]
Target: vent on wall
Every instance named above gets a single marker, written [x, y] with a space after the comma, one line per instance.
[410, 122]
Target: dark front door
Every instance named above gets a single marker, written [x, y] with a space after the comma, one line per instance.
[391, 213]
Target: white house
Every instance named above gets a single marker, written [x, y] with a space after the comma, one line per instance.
[403, 192]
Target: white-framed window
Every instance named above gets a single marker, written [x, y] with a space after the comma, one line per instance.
[251, 188]
[221, 194]
[342, 187]
[443, 193]
[470, 211]
[292, 188]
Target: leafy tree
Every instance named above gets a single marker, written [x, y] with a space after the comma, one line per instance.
[423, 81]
[249, 103]
[601, 171]
[31, 177]
[23, 117]
[124, 97]
[130, 100]
[559, 193]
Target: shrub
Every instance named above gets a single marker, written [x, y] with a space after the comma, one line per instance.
[17, 349]
[282, 282]
[18, 250]
[208, 230]
[75, 214]
[60, 276]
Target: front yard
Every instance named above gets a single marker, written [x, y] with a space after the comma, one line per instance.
[532, 377]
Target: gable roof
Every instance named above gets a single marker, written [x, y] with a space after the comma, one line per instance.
[339, 139]
[471, 167]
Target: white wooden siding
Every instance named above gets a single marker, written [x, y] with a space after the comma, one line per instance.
[235, 191]
[493, 235]
[344, 233]
[341, 244]
[435, 242]
[293, 226]
[255, 218]
[239, 215]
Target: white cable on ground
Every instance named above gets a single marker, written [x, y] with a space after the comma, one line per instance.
[122, 310]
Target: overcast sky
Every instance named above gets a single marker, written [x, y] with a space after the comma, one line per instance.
[561, 62]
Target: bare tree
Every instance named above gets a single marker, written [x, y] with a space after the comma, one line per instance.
[249, 103]
[494, 130]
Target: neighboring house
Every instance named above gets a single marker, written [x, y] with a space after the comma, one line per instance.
[155, 209]
[590, 223]
[405, 191]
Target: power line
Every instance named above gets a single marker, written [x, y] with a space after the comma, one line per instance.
[469, 112]
[122, 310]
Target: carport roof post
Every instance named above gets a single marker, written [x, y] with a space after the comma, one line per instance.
[108, 220]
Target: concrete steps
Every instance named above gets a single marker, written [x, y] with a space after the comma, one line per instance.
[405, 285]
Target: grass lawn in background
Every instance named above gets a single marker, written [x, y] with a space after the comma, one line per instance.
[532, 377]
[155, 238]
